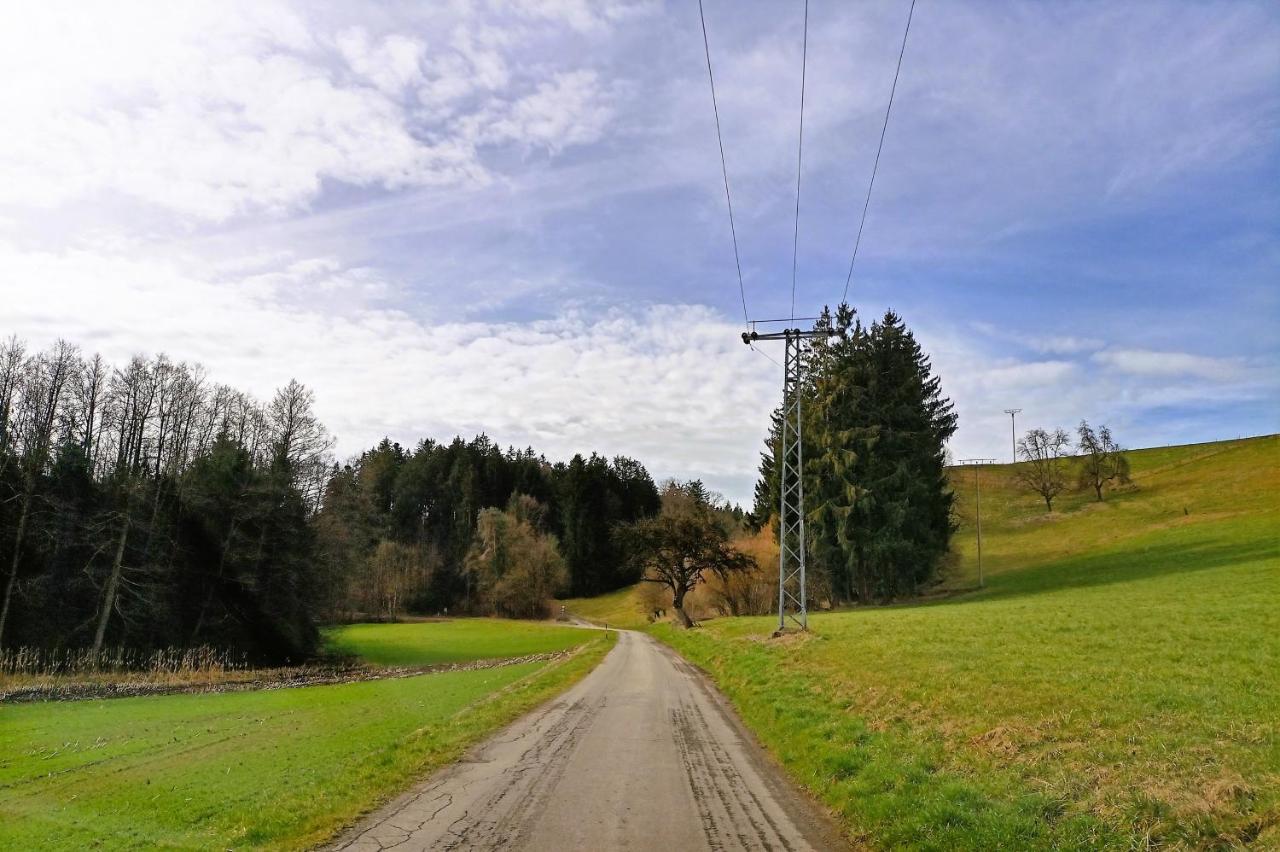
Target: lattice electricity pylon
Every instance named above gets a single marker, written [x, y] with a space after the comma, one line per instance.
[792, 599]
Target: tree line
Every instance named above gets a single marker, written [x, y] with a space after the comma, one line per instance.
[440, 528]
[144, 504]
[879, 510]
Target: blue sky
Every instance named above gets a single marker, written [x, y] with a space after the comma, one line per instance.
[509, 217]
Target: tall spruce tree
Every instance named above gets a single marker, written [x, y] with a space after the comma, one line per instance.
[875, 428]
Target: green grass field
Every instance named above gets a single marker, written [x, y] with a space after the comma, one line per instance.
[427, 643]
[276, 769]
[1115, 685]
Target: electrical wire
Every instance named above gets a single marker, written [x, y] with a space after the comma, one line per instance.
[871, 184]
[724, 168]
[795, 239]
[766, 355]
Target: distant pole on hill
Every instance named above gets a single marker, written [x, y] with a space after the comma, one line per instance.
[1013, 430]
[977, 505]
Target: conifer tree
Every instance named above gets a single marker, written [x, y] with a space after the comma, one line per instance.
[875, 428]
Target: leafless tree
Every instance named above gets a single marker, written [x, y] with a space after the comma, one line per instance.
[136, 397]
[1044, 469]
[43, 384]
[1102, 462]
[300, 439]
[12, 358]
[89, 394]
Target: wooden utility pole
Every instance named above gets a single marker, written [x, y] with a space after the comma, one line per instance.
[977, 506]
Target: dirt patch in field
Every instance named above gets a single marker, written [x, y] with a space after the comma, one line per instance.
[282, 678]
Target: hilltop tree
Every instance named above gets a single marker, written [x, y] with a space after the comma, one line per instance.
[1044, 471]
[1101, 460]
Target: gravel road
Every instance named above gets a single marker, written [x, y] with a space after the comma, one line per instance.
[641, 754]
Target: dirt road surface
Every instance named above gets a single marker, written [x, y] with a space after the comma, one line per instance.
[641, 754]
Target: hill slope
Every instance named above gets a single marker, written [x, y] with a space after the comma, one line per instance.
[1116, 684]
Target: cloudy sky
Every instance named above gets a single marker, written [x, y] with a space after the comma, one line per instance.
[509, 216]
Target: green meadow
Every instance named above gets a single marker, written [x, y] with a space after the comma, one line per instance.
[456, 641]
[282, 768]
[1116, 684]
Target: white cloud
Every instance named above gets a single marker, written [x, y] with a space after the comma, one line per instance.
[587, 16]
[208, 110]
[569, 109]
[528, 157]
[1117, 387]
[671, 384]
[392, 64]
[1044, 344]
[1145, 362]
[217, 110]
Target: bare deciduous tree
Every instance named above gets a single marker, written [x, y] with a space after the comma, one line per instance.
[1101, 460]
[1044, 471]
[43, 383]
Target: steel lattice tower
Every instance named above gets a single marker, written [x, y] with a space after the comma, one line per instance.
[792, 599]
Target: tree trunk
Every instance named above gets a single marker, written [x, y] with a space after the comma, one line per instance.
[13, 566]
[1097, 486]
[1048, 504]
[677, 603]
[113, 584]
[208, 598]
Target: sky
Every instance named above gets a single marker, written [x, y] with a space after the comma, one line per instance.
[509, 217]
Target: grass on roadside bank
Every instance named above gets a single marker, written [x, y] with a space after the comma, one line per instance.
[624, 608]
[280, 769]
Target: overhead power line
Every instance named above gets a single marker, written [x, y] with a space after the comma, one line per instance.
[795, 239]
[874, 168]
[724, 168]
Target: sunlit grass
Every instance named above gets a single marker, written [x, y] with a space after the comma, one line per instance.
[458, 640]
[1116, 684]
[624, 608]
[275, 769]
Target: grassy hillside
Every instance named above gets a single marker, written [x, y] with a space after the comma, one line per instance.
[624, 608]
[1116, 684]
[1173, 488]
[276, 769]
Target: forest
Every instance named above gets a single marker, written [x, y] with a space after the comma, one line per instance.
[432, 529]
[144, 505]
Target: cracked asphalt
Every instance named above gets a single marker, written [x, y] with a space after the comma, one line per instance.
[641, 754]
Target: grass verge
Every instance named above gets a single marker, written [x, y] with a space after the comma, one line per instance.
[280, 769]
